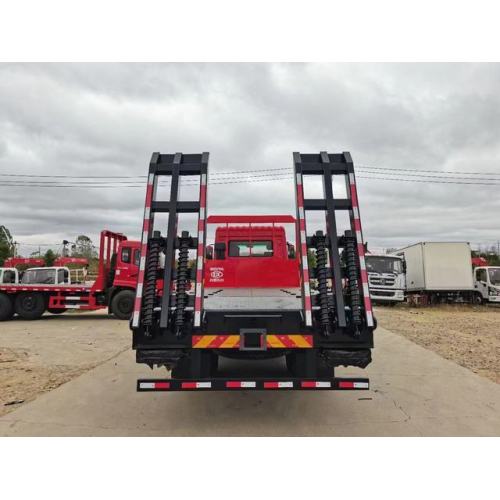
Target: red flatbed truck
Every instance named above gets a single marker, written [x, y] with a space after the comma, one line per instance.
[248, 300]
[114, 287]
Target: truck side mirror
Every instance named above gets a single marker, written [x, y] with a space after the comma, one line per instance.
[404, 266]
[220, 250]
[291, 251]
[209, 252]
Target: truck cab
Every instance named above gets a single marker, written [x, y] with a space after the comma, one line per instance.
[487, 283]
[9, 276]
[122, 278]
[386, 278]
[46, 276]
[127, 263]
[251, 254]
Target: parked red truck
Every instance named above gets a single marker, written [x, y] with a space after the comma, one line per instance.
[248, 299]
[114, 287]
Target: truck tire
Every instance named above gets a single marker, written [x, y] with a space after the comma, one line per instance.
[30, 305]
[122, 304]
[477, 299]
[6, 307]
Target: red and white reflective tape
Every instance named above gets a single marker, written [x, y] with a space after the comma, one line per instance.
[346, 384]
[175, 385]
[154, 385]
[196, 385]
[201, 250]
[147, 227]
[315, 384]
[241, 385]
[306, 287]
[361, 250]
[278, 385]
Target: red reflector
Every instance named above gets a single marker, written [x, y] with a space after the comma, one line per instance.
[308, 384]
[346, 385]
[188, 385]
[233, 385]
[162, 385]
[271, 385]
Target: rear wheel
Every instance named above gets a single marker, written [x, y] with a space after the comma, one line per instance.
[30, 305]
[6, 307]
[122, 304]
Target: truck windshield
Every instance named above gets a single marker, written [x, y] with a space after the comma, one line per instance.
[250, 249]
[384, 265]
[39, 277]
[8, 276]
[494, 275]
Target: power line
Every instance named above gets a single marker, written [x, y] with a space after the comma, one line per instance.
[187, 181]
[97, 184]
[239, 172]
[428, 171]
[235, 172]
[362, 169]
[428, 182]
[249, 176]
[435, 180]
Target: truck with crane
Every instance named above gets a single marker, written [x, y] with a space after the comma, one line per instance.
[247, 299]
[51, 289]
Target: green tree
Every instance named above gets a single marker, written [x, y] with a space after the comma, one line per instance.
[6, 244]
[84, 248]
[50, 257]
[311, 258]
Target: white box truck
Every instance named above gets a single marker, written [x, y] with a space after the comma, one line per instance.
[441, 271]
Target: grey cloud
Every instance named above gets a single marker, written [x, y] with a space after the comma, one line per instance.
[106, 119]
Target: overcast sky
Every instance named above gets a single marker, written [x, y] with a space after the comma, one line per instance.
[107, 119]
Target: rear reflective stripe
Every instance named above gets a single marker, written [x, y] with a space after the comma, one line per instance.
[233, 341]
[312, 384]
[278, 385]
[162, 385]
[240, 385]
[196, 385]
[218, 384]
[345, 384]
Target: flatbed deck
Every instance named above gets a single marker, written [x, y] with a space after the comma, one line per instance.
[257, 299]
[74, 287]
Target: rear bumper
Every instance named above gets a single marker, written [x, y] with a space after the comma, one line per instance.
[253, 384]
[386, 295]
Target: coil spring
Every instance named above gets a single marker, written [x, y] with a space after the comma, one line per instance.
[352, 276]
[322, 276]
[182, 281]
[150, 283]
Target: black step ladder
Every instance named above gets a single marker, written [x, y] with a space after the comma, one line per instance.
[152, 242]
[326, 165]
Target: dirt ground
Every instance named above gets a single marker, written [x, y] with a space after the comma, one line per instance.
[38, 356]
[467, 335]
